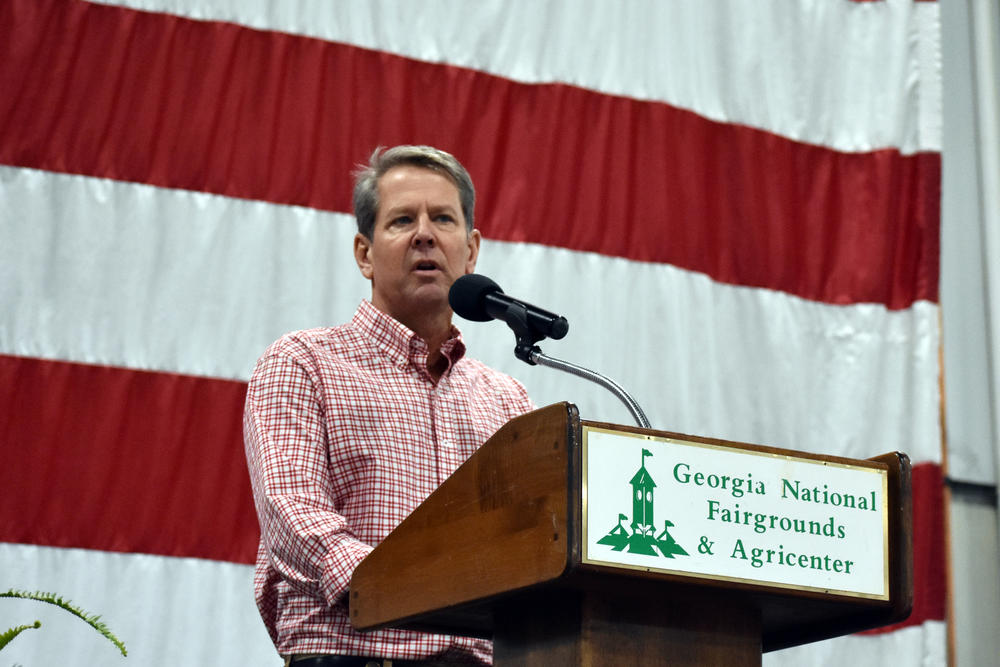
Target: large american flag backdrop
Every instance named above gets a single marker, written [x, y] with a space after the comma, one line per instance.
[735, 204]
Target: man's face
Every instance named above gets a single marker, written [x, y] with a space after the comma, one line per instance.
[419, 245]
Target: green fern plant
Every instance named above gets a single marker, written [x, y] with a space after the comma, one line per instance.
[6, 637]
[92, 620]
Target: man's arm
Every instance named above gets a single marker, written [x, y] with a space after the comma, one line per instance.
[306, 540]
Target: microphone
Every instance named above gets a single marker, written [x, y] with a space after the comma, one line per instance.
[475, 297]
[479, 299]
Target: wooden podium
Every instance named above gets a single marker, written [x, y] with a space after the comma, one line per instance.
[498, 551]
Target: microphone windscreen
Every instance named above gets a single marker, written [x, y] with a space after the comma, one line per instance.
[466, 296]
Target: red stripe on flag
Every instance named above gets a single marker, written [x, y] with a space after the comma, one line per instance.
[929, 581]
[123, 460]
[152, 98]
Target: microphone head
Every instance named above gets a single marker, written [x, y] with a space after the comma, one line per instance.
[467, 296]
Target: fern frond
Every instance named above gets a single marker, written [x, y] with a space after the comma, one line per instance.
[92, 620]
[6, 637]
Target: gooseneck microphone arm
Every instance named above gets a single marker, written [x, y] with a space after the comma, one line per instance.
[638, 415]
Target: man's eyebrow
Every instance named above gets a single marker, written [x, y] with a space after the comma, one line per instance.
[446, 208]
[398, 209]
[408, 209]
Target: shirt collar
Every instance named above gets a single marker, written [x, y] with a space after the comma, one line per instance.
[398, 342]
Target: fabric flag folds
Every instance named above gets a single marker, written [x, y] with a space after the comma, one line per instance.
[736, 205]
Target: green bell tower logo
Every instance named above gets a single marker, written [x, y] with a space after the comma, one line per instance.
[643, 538]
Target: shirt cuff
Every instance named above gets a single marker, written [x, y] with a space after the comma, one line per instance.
[337, 574]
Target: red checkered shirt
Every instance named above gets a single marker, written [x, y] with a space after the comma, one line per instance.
[346, 433]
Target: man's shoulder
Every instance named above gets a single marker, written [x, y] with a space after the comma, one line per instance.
[294, 340]
[471, 367]
[496, 392]
[317, 343]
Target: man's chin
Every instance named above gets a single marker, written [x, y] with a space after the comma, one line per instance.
[421, 299]
[431, 287]
[430, 297]
[425, 299]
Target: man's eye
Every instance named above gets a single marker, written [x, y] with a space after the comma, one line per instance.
[402, 220]
[444, 217]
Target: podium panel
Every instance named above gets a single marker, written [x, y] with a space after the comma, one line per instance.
[560, 538]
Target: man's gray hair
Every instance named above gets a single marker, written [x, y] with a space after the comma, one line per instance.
[382, 160]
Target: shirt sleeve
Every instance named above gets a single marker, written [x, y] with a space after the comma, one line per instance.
[307, 541]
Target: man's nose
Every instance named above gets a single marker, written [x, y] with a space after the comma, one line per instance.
[424, 232]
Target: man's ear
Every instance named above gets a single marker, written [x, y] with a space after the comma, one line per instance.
[475, 238]
[362, 251]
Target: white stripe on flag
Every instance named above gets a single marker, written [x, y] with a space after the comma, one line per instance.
[922, 645]
[130, 275]
[186, 611]
[167, 611]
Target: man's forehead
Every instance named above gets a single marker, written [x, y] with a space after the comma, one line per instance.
[407, 183]
[406, 171]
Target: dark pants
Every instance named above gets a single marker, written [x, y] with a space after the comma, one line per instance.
[361, 661]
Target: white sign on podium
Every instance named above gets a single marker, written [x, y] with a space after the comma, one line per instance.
[722, 512]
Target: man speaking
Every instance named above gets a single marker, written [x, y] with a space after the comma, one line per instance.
[348, 428]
